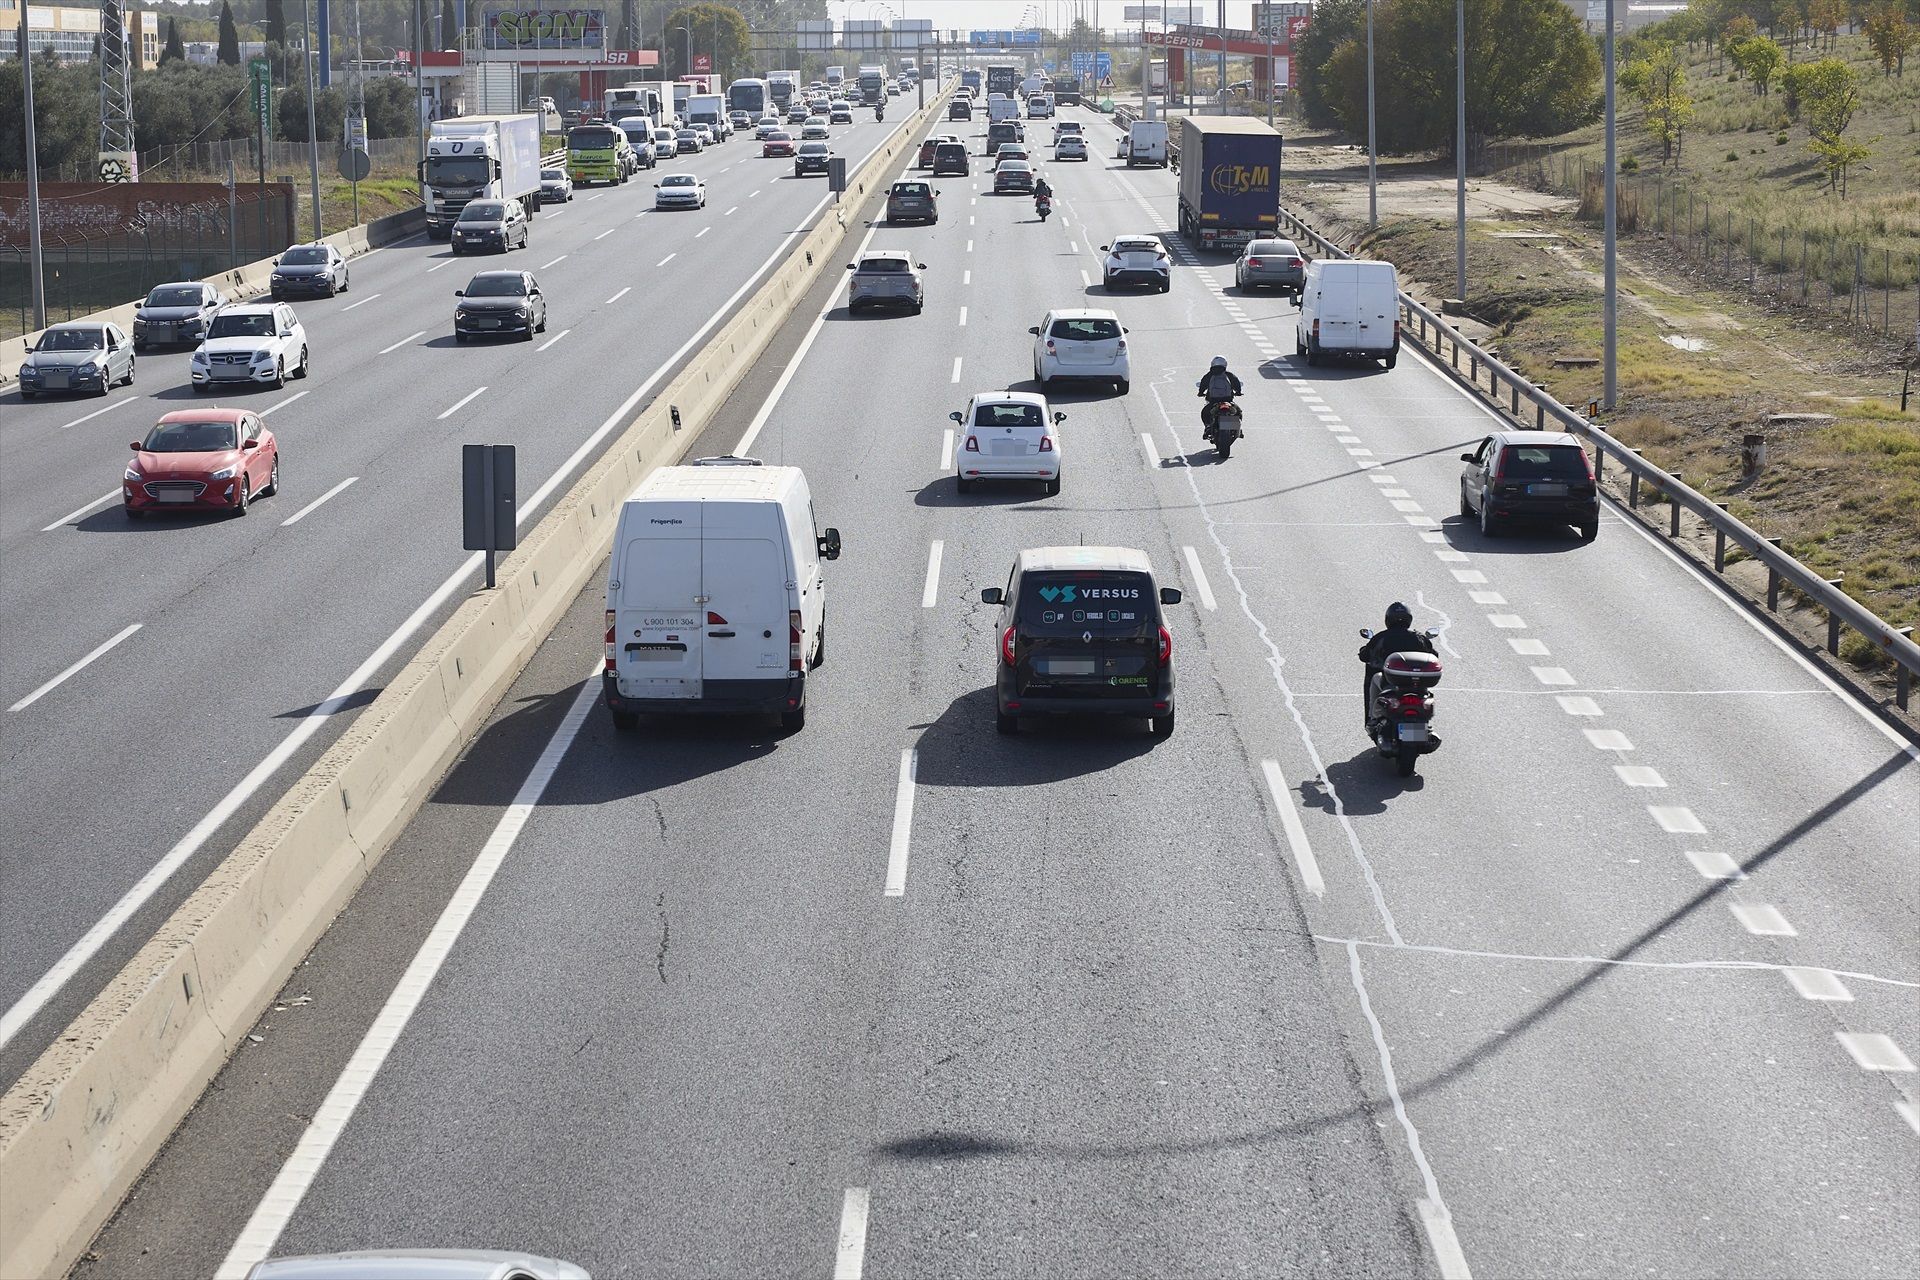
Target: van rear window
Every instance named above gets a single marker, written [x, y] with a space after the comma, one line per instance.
[1532, 462]
[1104, 602]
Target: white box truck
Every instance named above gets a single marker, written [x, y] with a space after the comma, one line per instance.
[716, 602]
[479, 158]
[834, 76]
[709, 109]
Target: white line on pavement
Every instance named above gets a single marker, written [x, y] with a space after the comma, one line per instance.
[1153, 454]
[550, 341]
[76, 668]
[850, 1254]
[1677, 820]
[77, 512]
[966, 277]
[278, 405]
[751, 194]
[543, 266]
[702, 231]
[930, 594]
[1200, 582]
[624, 292]
[963, 317]
[363, 302]
[403, 342]
[1873, 1051]
[1762, 920]
[1608, 740]
[465, 400]
[117, 404]
[1086, 279]
[729, 213]
[1818, 984]
[604, 234]
[1715, 865]
[289, 1187]
[956, 369]
[1639, 775]
[1296, 833]
[447, 263]
[902, 824]
[302, 513]
[946, 457]
[969, 246]
[663, 262]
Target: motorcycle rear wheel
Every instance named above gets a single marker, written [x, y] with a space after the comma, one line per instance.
[1405, 761]
[1223, 446]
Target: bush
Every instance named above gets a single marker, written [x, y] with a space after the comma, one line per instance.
[1630, 165]
[1780, 138]
[1732, 156]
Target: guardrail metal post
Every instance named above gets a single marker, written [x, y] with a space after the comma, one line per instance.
[1673, 523]
[1902, 678]
[1473, 371]
[1720, 544]
[1833, 621]
[1773, 582]
[1515, 388]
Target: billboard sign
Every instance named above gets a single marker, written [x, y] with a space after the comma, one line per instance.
[519, 28]
[702, 64]
[1099, 65]
[990, 39]
[1187, 12]
[1031, 36]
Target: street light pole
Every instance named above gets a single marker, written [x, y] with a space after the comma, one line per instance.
[689, 30]
[1611, 305]
[38, 267]
[1373, 183]
[313, 134]
[1460, 148]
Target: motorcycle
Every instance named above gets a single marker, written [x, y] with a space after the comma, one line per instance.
[1400, 705]
[1226, 426]
[1043, 205]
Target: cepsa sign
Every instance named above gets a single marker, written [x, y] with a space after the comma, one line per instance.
[546, 29]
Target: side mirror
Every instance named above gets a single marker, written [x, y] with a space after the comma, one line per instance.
[249, 444]
[459, 293]
[276, 262]
[1124, 329]
[1106, 248]
[1169, 595]
[955, 415]
[1366, 633]
[921, 265]
[1466, 457]
[830, 544]
[1034, 329]
[992, 595]
[135, 446]
[1059, 417]
[853, 266]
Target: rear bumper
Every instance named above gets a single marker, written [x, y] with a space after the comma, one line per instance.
[1360, 352]
[1286, 284]
[1144, 707]
[1565, 510]
[717, 698]
[1137, 276]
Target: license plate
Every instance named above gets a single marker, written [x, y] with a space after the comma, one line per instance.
[55, 381]
[1066, 666]
[173, 495]
[1412, 733]
[1547, 490]
[486, 324]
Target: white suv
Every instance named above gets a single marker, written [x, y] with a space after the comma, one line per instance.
[261, 342]
[1081, 344]
[1007, 435]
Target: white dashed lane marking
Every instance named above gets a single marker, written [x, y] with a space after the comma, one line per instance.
[1762, 920]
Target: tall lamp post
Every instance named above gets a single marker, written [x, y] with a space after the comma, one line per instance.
[689, 31]
[313, 134]
[1460, 149]
[1373, 184]
[32, 157]
[1611, 303]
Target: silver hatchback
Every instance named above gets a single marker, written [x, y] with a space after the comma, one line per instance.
[1271, 264]
[887, 277]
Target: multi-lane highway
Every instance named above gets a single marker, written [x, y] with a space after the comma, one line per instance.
[1624, 982]
[227, 653]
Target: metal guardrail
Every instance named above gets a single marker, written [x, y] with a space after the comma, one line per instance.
[1895, 643]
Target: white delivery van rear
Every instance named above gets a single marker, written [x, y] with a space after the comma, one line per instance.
[1349, 308]
[1147, 143]
[1002, 108]
[716, 602]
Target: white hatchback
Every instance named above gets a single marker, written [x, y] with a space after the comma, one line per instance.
[1082, 344]
[1007, 435]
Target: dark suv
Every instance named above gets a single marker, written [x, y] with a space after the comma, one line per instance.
[1530, 475]
[1080, 633]
[951, 157]
[811, 158]
[909, 201]
[960, 109]
[1004, 131]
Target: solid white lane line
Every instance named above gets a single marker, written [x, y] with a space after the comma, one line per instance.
[1153, 454]
[73, 670]
[278, 1205]
[117, 404]
[850, 1253]
[956, 369]
[543, 266]
[301, 514]
[946, 451]
[403, 342]
[604, 234]
[1873, 1051]
[902, 824]
[77, 512]
[465, 400]
[550, 341]
[1303, 858]
[1607, 740]
[281, 404]
[363, 302]
[1762, 920]
[1818, 984]
[930, 594]
[1639, 775]
[1677, 820]
[1578, 706]
[963, 317]
[629, 289]
[1714, 865]
[1200, 583]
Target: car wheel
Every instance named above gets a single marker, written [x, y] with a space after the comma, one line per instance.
[242, 497]
[333, 290]
[1162, 725]
[1123, 385]
[346, 278]
[625, 721]
[793, 721]
[543, 321]
[302, 371]
[1466, 508]
[1590, 530]
[1004, 723]
[460, 338]
[28, 395]
[527, 334]
[1489, 528]
[1053, 487]
[1393, 358]
[819, 645]
[273, 479]
[279, 374]
[1299, 347]
[1313, 352]
[129, 378]
[134, 514]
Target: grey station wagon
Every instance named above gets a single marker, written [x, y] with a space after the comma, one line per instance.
[886, 277]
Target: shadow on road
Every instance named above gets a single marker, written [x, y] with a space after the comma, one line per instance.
[962, 748]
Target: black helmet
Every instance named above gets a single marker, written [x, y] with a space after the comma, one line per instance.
[1398, 615]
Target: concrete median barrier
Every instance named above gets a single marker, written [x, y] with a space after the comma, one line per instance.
[84, 1120]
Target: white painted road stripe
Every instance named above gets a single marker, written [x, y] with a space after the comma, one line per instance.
[550, 341]
[963, 317]
[1578, 706]
[1200, 583]
[77, 512]
[557, 261]
[301, 514]
[629, 289]
[73, 670]
[902, 824]
[1153, 454]
[1639, 775]
[447, 263]
[117, 404]
[290, 1186]
[1676, 820]
[930, 594]
[729, 213]
[403, 342]
[966, 277]
[1874, 1052]
[1608, 740]
[956, 369]
[702, 231]
[1296, 833]
[1818, 984]
[1715, 866]
[946, 450]
[850, 1254]
[281, 404]
[663, 262]
[363, 302]
[464, 402]
[1762, 920]
[604, 234]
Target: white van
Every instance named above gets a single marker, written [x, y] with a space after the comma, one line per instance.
[1349, 308]
[716, 603]
[1000, 107]
[1146, 143]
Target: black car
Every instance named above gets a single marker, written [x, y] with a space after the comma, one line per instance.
[1530, 475]
[951, 157]
[1080, 633]
[316, 270]
[500, 302]
[176, 313]
[960, 109]
[811, 158]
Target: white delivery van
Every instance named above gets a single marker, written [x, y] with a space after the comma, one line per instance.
[716, 603]
[1146, 143]
[1349, 308]
[1001, 108]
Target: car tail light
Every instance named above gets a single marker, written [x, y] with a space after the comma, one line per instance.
[1316, 331]
[1253, 262]
[1006, 646]
[1051, 349]
[610, 656]
[1500, 466]
[1166, 646]
[1587, 462]
[1120, 344]
[1295, 262]
[1046, 444]
[973, 445]
[715, 620]
[794, 661]
[1396, 329]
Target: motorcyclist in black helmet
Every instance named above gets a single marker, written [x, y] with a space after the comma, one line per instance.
[1216, 384]
[1397, 636]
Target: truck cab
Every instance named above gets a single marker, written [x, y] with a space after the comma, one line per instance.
[479, 158]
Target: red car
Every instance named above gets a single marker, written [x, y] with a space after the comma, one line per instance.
[202, 460]
[777, 144]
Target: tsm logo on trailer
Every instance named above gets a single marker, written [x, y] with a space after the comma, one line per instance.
[1238, 179]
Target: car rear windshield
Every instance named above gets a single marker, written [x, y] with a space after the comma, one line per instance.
[245, 325]
[304, 257]
[496, 287]
[191, 437]
[1085, 330]
[884, 266]
[910, 188]
[1272, 249]
[1008, 415]
[948, 150]
[1534, 462]
[174, 296]
[1106, 602]
[813, 149]
[1002, 130]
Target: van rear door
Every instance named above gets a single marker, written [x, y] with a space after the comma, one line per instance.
[659, 617]
[1087, 634]
[748, 598]
[1338, 306]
